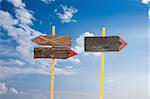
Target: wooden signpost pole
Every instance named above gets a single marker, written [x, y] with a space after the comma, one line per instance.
[103, 44]
[58, 50]
[52, 71]
[102, 68]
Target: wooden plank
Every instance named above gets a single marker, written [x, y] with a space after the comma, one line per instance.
[53, 52]
[59, 53]
[53, 40]
[102, 44]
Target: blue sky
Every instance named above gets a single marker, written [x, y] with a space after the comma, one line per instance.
[126, 72]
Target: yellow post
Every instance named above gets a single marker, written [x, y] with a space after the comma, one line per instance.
[103, 31]
[52, 79]
[53, 30]
[102, 68]
[52, 94]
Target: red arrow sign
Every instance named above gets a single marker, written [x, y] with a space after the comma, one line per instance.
[104, 44]
[54, 52]
[123, 43]
[71, 53]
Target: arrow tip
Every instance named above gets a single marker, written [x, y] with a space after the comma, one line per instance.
[36, 39]
[123, 43]
[71, 53]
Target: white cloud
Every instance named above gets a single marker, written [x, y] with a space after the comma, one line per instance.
[5, 90]
[24, 16]
[5, 51]
[12, 62]
[6, 19]
[47, 1]
[17, 3]
[79, 47]
[12, 71]
[13, 91]
[67, 15]
[145, 1]
[9, 71]
[80, 42]
[23, 34]
[74, 60]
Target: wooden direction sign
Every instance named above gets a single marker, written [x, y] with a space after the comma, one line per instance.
[53, 52]
[53, 40]
[104, 44]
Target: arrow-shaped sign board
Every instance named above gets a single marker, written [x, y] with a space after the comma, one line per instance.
[53, 52]
[104, 44]
[53, 40]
